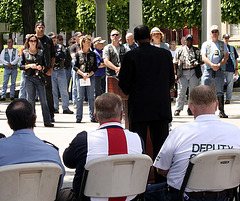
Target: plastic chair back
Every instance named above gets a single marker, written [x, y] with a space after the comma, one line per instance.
[116, 175]
[29, 182]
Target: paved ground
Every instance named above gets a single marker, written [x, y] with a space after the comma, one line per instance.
[66, 129]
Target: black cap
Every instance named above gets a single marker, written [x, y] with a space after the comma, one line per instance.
[39, 23]
[226, 36]
[189, 36]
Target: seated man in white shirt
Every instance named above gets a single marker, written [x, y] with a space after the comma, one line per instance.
[206, 133]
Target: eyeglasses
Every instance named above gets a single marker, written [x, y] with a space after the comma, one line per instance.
[115, 34]
[9, 42]
[33, 41]
[73, 42]
[214, 31]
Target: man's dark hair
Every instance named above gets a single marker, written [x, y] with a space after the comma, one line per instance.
[39, 23]
[20, 114]
[141, 32]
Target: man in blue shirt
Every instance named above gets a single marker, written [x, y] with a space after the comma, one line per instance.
[23, 146]
[215, 55]
[100, 74]
[231, 67]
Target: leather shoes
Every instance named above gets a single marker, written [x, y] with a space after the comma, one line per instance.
[67, 111]
[79, 121]
[56, 111]
[227, 102]
[189, 111]
[2, 99]
[12, 98]
[177, 113]
[93, 120]
[48, 125]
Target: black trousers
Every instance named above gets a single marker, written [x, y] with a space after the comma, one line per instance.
[49, 95]
[158, 133]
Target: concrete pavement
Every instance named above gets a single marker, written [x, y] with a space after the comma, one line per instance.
[66, 129]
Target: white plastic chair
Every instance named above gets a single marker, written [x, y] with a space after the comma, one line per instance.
[116, 176]
[29, 181]
[213, 171]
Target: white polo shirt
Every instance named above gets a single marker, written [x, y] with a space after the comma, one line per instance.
[206, 133]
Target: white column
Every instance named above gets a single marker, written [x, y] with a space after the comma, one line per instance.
[135, 14]
[50, 16]
[211, 15]
[101, 18]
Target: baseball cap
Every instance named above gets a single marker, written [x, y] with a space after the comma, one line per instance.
[51, 35]
[59, 37]
[189, 36]
[78, 34]
[39, 23]
[98, 40]
[155, 30]
[226, 36]
[213, 27]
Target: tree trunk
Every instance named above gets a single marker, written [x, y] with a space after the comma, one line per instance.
[28, 14]
[1, 42]
[124, 32]
[68, 36]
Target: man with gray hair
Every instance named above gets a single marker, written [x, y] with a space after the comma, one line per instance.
[109, 139]
[206, 133]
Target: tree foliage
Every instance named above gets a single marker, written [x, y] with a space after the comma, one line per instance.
[230, 11]
[172, 14]
[11, 12]
[117, 15]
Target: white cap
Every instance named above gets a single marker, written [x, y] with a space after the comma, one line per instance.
[155, 30]
[213, 27]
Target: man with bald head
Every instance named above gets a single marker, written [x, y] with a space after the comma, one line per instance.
[206, 133]
[131, 44]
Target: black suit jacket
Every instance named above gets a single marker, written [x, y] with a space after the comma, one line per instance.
[146, 75]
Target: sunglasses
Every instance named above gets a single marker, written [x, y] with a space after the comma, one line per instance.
[214, 31]
[33, 41]
[115, 34]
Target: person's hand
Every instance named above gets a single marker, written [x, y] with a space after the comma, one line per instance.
[39, 67]
[10, 65]
[176, 78]
[236, 72]
[215, 67]
[117, 70]
[49, 72]
[85, 76]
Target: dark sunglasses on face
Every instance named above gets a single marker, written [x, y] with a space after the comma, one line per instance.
[33, 41]
[115, 34]
[214, 31]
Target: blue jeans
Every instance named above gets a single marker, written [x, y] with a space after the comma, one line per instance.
[207, 79]
[74, 87]
[100, 85]
[188, 79]
[7, 73]
[80, 97]
[229, 78]
[160, 192]
[68, 76]
[33, 84]
[59, 83]
[22, 90]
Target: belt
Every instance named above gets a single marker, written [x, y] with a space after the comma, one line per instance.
[57, 68]
[203, 194]
[206, 194]
[188, 68]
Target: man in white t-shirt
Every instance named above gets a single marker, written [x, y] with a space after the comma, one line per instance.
[206, 133]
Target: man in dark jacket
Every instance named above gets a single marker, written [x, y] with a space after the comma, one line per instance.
[147, 75]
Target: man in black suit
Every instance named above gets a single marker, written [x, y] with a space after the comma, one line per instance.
[146, 75]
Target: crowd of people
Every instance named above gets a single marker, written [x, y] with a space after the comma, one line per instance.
[147, 69]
